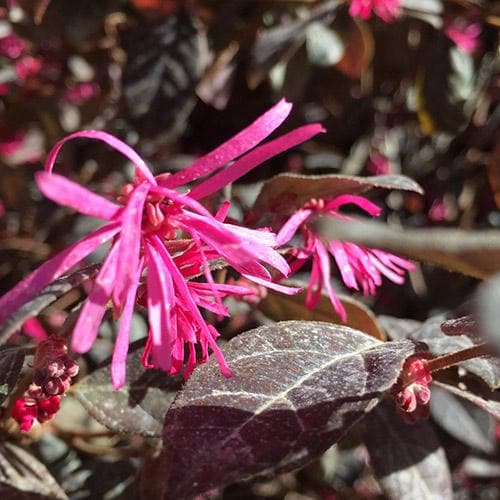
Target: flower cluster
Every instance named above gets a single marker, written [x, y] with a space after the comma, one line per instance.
[164, 243]
[361, 268]
[161, 239]
[412, 393]
[53, 371]
[387, 10]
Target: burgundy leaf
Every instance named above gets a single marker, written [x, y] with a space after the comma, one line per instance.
[407, 458]
[11, 363]
[296, 388]
[138, 407]
[23, 476]
[287, 192]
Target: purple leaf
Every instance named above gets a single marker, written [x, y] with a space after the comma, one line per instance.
[297, 387]
[11, 363]
[407, 458]
[138, 407]
[290, 191]
[23, 476]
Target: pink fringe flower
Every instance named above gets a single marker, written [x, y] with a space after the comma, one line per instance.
[53, 371]
[387, 10]
[143, 224]
[465, 36]
[12, 46]
[360, 267]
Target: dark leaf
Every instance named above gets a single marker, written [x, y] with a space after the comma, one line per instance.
[280, 307]
[279, 43]
[165, 60]
[11, 363]
[23, 476]
[456, 418]
[296, 388]
[487, 368]
[138, 407]
[48, 295]
[287, 192]
[475, 253]
[466, 325]
[408, 459]
[488, 405]
[359, 49]
[488, 301]
[398, 328]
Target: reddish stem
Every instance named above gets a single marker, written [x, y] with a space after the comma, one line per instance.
[442, 362]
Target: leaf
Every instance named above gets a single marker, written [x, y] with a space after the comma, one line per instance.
[475, 253]
[11, 363]
[486, 368]
[456, 418]
[359, 49]
[297, 387]
[46, 297]
[466, 325]
[488, 301]
[23, 476]
[138, 407]
[286, 192]
[407, 458]
[398, 328]
[488, 405]
[280, 307]
[279, 43]
[165, 60]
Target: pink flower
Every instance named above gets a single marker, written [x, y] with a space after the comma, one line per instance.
[144, 224]
[81, 93]
[53, 371]
[378, 165]
[387, 10]
[27, 67]
[10, 140]
[12, 46]
[360, 267]
[411, 392]
[464, 36]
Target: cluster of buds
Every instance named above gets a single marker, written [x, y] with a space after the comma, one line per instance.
[412, 393]
[53, 370]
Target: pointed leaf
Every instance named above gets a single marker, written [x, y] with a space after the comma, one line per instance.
[11, 362]
[296, 388]
[288, 192]
[138, 407]
[456, 418]
[48, 295]
[23, 476]
[408, 459]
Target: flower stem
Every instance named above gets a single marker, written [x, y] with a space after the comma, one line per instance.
[442, 362]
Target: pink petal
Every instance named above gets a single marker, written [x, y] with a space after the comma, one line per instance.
[68, 193]
[339, 254]
[292, 224]
[119, 360]
[324, 266]
[130, 238]
[359, 201]
[89, 320]
[30, 286]
[223, 211]
[234, 147]
[34, 329]
[161, 302]
[109, 139]
[287, 290]
[191, 306]
[255, 158]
